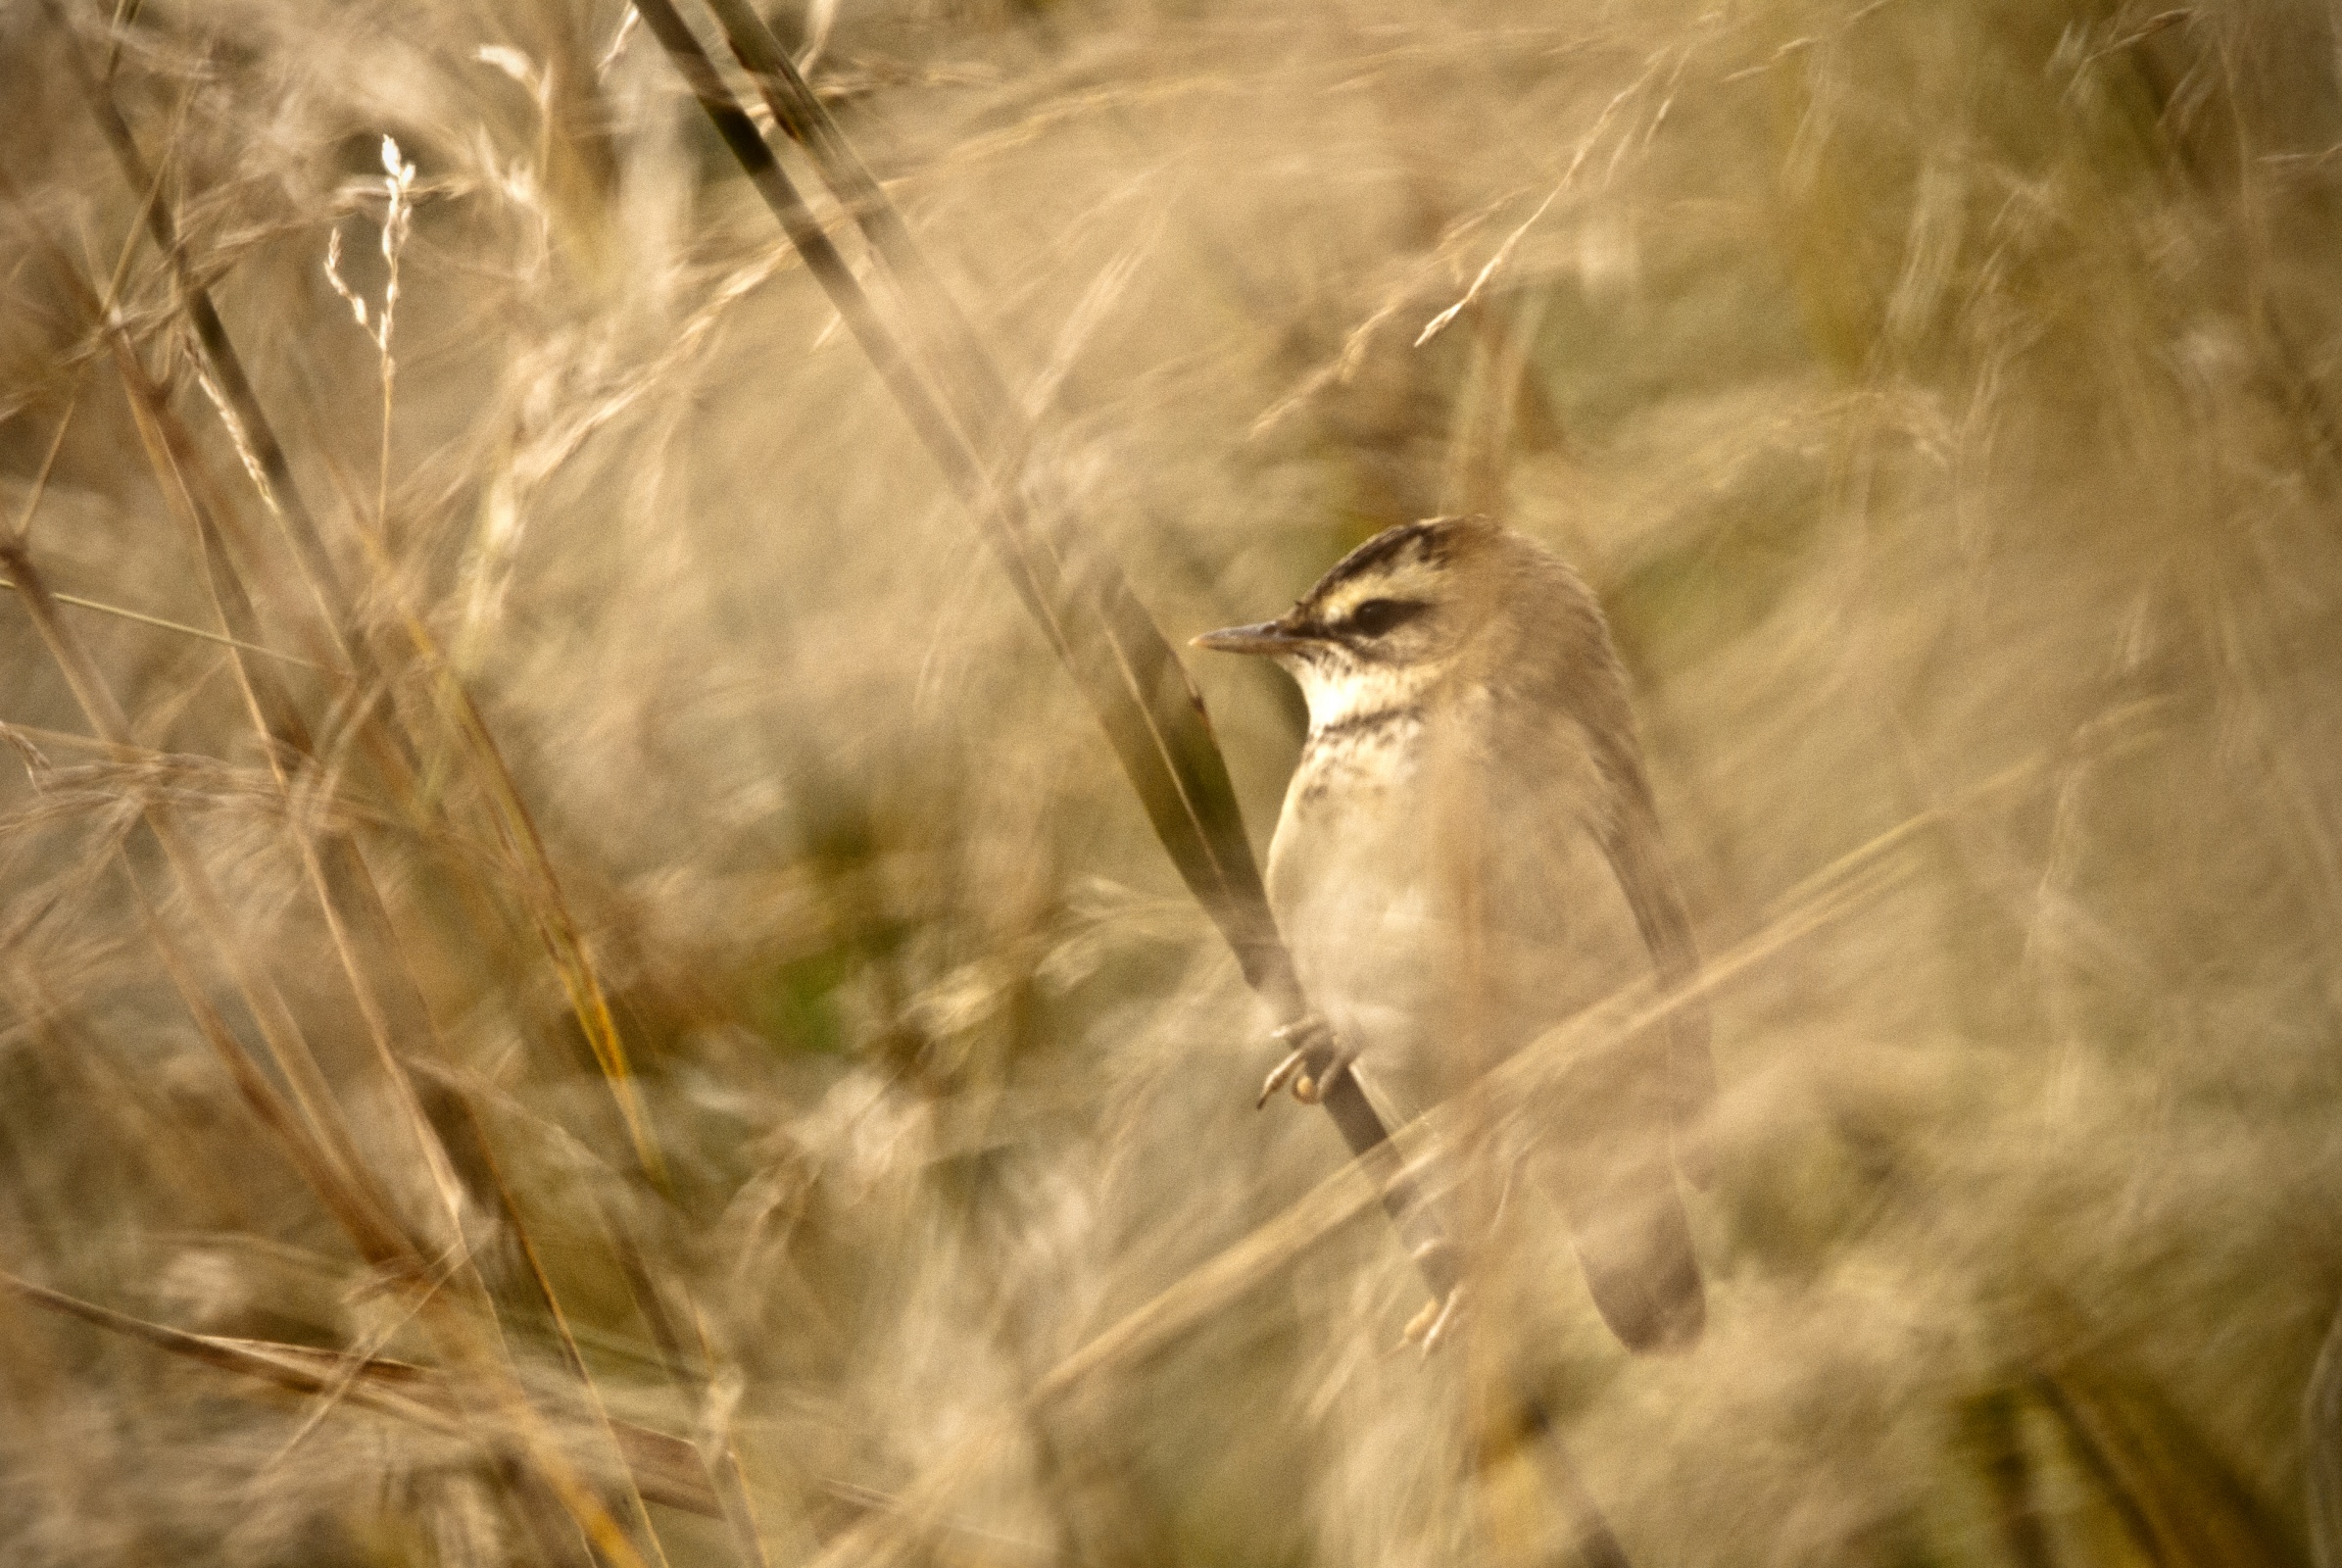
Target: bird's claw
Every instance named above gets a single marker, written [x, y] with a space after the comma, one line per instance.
[1281, 1075]
[1438, 1319]
[1312, 1067]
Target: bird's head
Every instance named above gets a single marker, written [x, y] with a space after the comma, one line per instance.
[1391, 619]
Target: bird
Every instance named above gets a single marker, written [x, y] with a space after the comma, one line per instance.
[1468, 855]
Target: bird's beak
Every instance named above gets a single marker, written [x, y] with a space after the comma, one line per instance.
[1261, 637]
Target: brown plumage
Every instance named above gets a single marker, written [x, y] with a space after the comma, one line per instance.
[1469, 855]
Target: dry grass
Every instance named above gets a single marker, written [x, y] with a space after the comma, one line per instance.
[615, 1007]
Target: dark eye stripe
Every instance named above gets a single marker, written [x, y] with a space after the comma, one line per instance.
[1375, 617]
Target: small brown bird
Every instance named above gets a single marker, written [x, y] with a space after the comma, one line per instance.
[1469, 855]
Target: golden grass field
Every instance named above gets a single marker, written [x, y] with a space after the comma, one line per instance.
[578, 984]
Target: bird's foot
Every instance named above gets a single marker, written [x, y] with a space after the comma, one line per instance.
[1316, 1060]
[1438, 1319]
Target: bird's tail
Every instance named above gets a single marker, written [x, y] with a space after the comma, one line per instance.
[1636, 1247]
[1609, 1157]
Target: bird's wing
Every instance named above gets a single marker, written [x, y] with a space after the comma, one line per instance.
[1589, 804]
[1638, 858]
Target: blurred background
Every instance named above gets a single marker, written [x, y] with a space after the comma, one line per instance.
[577, 985]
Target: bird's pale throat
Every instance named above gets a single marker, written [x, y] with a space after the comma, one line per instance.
[1351, 698]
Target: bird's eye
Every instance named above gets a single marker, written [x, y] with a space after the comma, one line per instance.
[1378, 615]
